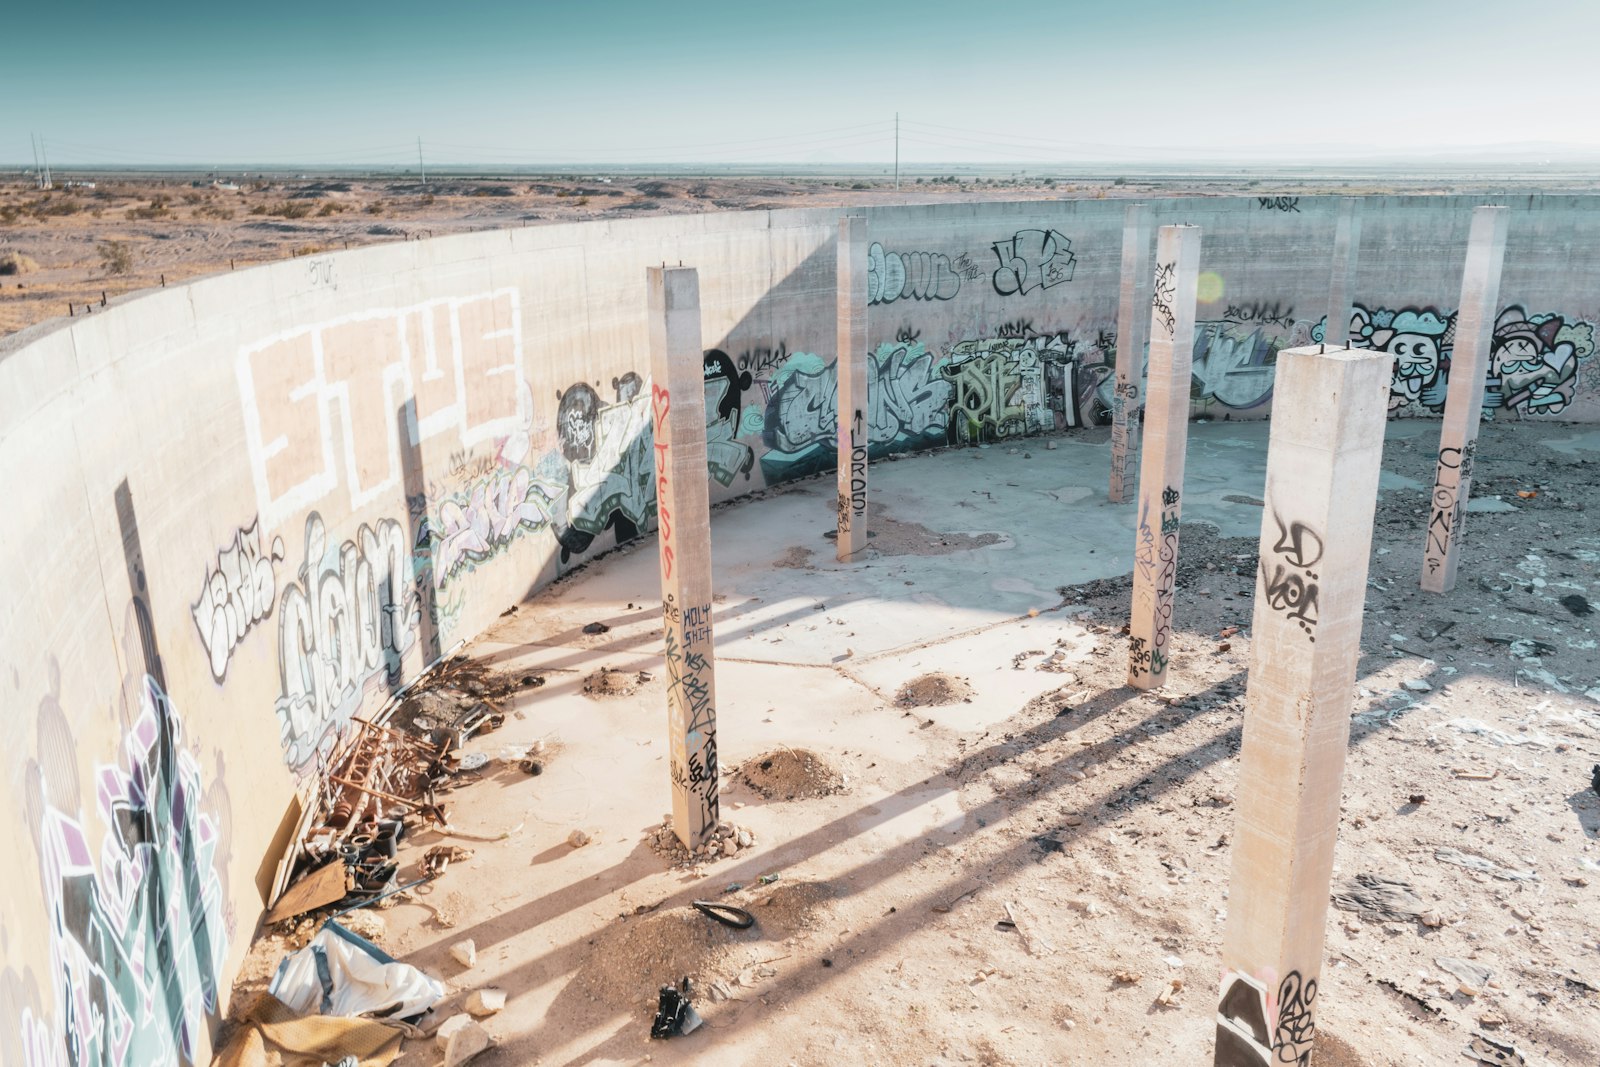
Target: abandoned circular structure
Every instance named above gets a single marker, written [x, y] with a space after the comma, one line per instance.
[248, 514]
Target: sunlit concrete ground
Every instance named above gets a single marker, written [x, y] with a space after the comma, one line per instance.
[810, 654]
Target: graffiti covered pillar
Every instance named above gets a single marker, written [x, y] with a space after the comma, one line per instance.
[1166, 434]
[852, 369]
[1346, 256]
[683, 511]
[1463, 405]
[1132, 328]
[1323, 461]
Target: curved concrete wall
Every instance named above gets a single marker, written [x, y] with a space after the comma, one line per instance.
[242, 511]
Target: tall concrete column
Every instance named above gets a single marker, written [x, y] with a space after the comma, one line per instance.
[1328, 414]
[852, 368]
[1463, 404]
[1132, 329]
[1346, 256]
[1166, 434]
[683, 510]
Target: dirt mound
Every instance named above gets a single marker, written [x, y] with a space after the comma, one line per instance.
[792, 774]
[605, 683]
[932, 691]
[627, 964]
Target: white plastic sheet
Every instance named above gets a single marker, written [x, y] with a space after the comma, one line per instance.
[340, 973]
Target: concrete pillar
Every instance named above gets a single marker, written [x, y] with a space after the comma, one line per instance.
[1132, 329]
[1166, 433]
[683, 511]
[1328, 413]
[1346, 254]
[1463, 404]
[852, 367]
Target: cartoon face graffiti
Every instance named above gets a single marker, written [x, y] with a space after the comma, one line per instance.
[1533, 362]
[1420, 341]
[1416, 355]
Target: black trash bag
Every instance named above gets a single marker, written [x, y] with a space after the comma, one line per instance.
[674, 1014]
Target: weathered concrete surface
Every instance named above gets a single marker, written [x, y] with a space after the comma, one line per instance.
[792, 685]
[250, 508]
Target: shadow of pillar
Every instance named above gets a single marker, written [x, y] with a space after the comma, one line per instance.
[416, 491]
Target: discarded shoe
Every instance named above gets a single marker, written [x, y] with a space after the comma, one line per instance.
[674, 1014]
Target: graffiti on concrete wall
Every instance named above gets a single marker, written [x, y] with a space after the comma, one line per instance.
[895, 276]
[909, 408]
[139, 937]
[1279, 203]
[1013, 385]
[605, 462]
[238, 592]
[480, 521]
[1234, 364]
[726, 388]
[1534, 359]
[908, 399]
[1032, 259]
[346, 621]
[320, 401]
[1533, 362]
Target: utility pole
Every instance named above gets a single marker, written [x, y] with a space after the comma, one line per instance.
[38, 175]
[897, 151]
[45, 155]
[420, 167]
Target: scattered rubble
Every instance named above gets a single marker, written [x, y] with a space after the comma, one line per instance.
[606, 683]
[725, 842]
[485, 1002]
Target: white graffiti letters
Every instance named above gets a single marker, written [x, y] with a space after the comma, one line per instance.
[238, 593]
[320, 401]
[350, 618]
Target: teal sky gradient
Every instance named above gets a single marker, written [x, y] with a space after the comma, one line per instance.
[626, 81]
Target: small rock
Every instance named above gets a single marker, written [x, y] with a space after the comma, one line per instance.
[577, 839]
[465, 1042]
[1050, 446]
[730, 847]
[481, 1002]
[596, 628]
[1431, 919]
[465, 952]
[744, 838]
[1417, 685]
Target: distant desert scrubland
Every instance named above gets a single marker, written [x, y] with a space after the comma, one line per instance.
[76, 244]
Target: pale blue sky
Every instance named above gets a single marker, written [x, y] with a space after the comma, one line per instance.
[352, 81]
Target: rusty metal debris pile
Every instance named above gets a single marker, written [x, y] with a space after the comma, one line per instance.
[388, 777]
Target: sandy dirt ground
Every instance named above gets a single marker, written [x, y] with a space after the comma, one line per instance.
[71, 246]
[891, 805]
